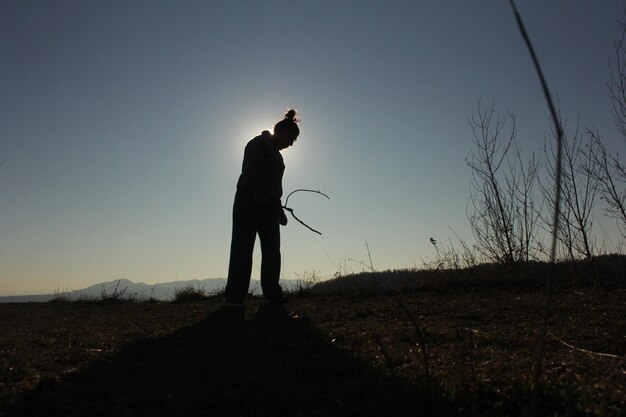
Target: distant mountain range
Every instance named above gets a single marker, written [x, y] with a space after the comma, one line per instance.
[139, 291]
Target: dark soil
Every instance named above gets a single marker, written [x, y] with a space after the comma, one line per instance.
[446, 354]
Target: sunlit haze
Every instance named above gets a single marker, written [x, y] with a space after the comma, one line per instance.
[123, 125]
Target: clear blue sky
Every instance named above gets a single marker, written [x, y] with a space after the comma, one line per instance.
[123, 124]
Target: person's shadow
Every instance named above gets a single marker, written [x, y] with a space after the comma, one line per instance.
[269, 365]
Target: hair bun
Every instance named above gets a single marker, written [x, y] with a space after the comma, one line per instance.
[291, 115]
[288, 124]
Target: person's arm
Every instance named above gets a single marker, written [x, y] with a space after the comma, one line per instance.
[252, 158]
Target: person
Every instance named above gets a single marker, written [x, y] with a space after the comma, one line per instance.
[258, 209]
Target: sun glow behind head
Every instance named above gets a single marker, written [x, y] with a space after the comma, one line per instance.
[246, 132]
[298, 158]
[253, 130]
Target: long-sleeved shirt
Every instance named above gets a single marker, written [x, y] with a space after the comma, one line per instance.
[262, 169]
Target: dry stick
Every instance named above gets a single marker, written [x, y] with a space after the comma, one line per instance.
[543, 329]
[371, 265]
[300, 221]
[589, 352]
[290, 210]
[369, 255]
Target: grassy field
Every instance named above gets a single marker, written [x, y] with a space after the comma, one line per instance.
[467, 353]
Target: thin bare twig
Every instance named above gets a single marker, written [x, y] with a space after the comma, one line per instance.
[589, 352]
[290, 210]
[306, 190]
[557, 128]
[369, 255]
[557, 207]
[300, 221]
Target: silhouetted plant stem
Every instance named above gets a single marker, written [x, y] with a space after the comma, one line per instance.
[369, 255]
[537, 369]
[290, 210]
[363, 264]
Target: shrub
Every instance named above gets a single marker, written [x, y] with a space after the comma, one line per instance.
[189, 294]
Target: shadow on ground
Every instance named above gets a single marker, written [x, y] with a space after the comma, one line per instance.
[270, 364]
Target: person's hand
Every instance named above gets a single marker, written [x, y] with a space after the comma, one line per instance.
[283, 217]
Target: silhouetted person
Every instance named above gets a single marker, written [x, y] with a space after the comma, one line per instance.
[258, 209]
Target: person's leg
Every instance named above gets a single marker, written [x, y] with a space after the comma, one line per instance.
[241, 248]
[269, 234]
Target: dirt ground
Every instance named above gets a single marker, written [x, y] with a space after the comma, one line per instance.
[414, 354]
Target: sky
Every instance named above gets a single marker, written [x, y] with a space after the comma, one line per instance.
[123, 124]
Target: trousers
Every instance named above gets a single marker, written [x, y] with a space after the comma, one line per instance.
[249, 219]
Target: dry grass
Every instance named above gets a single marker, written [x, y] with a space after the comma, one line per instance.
[188, 294]
[324, 355]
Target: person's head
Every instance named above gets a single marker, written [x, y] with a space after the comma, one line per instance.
[286, 131]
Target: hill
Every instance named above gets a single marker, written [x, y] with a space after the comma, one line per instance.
[126, 289]
[606, 271]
